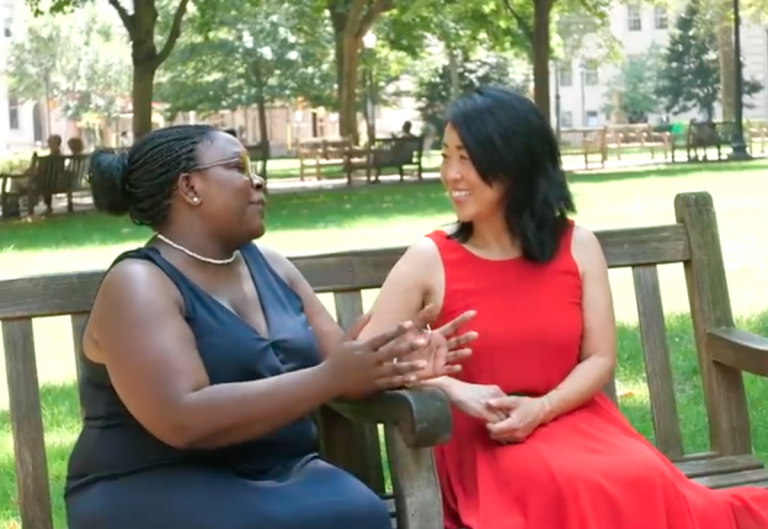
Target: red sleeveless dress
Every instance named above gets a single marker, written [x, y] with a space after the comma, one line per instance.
[587, 469]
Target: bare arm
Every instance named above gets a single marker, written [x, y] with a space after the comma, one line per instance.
[138, 332]
[407, 289]
[598, 349]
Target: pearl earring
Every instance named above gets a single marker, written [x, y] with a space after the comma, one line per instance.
[196, 200]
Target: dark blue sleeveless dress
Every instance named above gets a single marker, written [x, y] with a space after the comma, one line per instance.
[122, 477]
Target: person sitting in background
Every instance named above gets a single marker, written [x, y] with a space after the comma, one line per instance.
[535, 444]
[205, 354]
[21, 184]
[76, 146]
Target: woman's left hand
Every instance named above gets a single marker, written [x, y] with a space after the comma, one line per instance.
[442, 349]
[525, 415]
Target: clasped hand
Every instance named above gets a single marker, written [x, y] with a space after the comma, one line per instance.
[408, 354]
[509, 419]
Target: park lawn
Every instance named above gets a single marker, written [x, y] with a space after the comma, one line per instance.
[391, 215]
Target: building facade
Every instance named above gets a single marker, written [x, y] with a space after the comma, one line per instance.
[582, 84]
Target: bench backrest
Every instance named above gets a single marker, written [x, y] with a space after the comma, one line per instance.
[692, 241]
[403, 150]
[324, 148]
[584, 138]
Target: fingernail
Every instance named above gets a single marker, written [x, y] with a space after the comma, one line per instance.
[408, 324]
[411, 379]
[422, 363]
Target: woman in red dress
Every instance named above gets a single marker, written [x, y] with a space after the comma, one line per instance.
[536, 445]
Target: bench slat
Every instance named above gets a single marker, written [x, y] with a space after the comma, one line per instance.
[27, 422]
[658, 370]
[353, 446]
[719, 465]
[59, 294]
[736, 479]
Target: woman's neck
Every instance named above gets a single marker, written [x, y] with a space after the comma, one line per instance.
[493, 237]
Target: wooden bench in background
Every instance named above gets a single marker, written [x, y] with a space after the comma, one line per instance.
[48, 176]
[636, 136]
[318, 153]
[756, 136]
[386, 153]
[259, 153]
[414, 420]
[703, 136]
[586, 142]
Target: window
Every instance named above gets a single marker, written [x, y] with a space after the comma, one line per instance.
[566, 76]
[660, 17]
[591, 77]
[634, 18]
[592, 119]
[7, 15]
[566, 119]
[13, 113]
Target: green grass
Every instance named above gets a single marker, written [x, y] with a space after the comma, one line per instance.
[375, 216]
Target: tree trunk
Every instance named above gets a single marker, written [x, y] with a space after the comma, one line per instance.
[351, 20]
[140, 26]
[541, 12]
[453, 68]
[261, 106]
[727, 66]
[143, 81]
[348, 88]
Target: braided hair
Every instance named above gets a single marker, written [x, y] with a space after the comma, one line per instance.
[142, 181]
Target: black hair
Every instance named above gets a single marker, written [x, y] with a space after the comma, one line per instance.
[231, 132]
[142, 180]
[510, 142]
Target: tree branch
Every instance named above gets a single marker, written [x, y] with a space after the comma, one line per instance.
[378, 7]
[173, 34]
[125, 16]
[353, 16]
[524, 26]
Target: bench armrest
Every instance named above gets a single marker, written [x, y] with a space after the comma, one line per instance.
[422, 415]
[739, 349]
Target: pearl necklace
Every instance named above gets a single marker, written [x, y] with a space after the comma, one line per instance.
[194, 255]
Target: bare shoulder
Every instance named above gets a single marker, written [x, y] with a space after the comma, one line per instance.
[586, 249]
[423, 252]
[418, 269]
[279, 263]
[136, 282]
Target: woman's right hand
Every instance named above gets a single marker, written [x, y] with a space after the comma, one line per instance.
[361, 367]
[473, 400]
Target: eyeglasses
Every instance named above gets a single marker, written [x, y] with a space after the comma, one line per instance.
[242, 159]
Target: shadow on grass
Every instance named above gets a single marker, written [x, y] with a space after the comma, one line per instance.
[335, 209]
[668, 170]
[331, 209]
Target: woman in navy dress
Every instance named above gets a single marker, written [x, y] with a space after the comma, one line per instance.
[204, 356]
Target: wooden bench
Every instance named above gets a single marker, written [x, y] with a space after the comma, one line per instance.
[48, 176]
[259, 153]
[387, 153]
[757, 136]
[318, 153]
[414, 420]
[620, 138]
[705, 135]
[585, 142]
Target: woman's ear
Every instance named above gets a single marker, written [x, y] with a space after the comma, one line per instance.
[187, 191]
